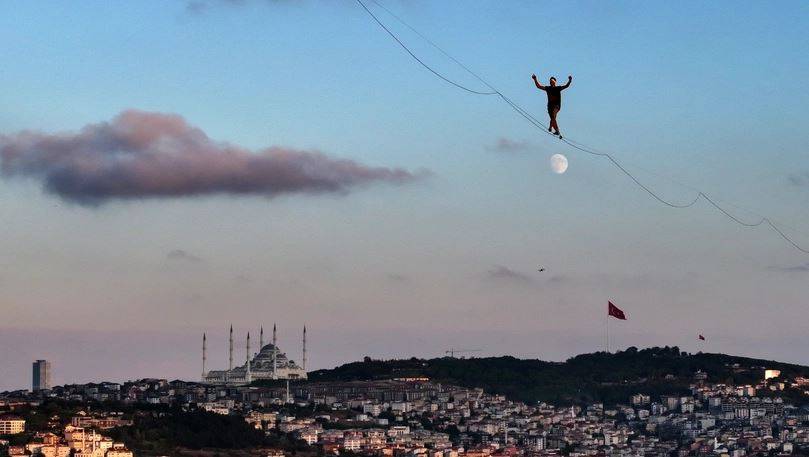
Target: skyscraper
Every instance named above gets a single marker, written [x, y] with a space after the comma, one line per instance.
[42, 375]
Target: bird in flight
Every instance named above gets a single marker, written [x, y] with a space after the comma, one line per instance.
[541, 269]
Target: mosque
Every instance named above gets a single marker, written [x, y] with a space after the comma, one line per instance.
[268, 363]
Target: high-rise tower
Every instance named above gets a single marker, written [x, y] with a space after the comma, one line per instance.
[41, 375]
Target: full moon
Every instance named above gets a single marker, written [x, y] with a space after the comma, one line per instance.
[558, 163]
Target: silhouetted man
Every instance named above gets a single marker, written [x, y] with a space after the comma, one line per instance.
[554, 100]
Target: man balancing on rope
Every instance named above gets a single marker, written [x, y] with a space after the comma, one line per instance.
[554, 100]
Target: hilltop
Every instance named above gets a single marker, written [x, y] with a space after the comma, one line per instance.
[600, 376]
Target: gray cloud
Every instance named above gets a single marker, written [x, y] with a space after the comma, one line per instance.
[508, 146]
[799, 179]
[196, 7]
[560, 279]
[199, 6]
[154, 155]
[793, 269]
[500, 272]
[182, 255]
[396, 277]
[243, 279]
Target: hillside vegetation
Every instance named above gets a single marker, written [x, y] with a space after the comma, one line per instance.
[600, 376]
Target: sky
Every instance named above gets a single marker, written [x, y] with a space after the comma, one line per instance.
[172, 167]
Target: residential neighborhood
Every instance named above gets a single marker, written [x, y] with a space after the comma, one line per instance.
[418, 417]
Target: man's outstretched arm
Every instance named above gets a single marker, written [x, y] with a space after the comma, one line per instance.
[536, 81]
[569, 80]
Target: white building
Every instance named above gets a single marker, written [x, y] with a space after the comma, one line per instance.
[268, 363]
[11, 425]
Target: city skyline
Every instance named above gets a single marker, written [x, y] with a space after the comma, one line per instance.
[170, 168]
[130, 364]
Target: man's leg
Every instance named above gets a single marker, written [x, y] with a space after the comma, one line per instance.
[550, 116]
[553, 112]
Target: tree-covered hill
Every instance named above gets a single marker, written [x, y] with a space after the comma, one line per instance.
[175, 432]
[601, 376]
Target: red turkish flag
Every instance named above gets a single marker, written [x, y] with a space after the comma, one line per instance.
[702, 338]
[615, 312]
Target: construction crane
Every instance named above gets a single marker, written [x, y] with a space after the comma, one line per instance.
[452, 351]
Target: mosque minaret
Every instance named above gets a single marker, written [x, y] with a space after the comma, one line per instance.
[247, 377]
[230, 351]
[268, 363]
[205, 355]
[274, 354]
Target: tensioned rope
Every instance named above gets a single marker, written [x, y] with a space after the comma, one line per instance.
[764, 220]
[416, 58]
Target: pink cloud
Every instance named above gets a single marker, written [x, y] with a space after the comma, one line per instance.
[151, 155]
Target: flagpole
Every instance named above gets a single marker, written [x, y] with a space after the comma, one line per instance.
[607, 328]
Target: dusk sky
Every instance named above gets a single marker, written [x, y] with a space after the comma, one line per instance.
[170, 167]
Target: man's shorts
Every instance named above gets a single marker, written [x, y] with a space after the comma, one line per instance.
[553, 109]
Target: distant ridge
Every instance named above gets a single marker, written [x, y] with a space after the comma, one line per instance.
[607, 377]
